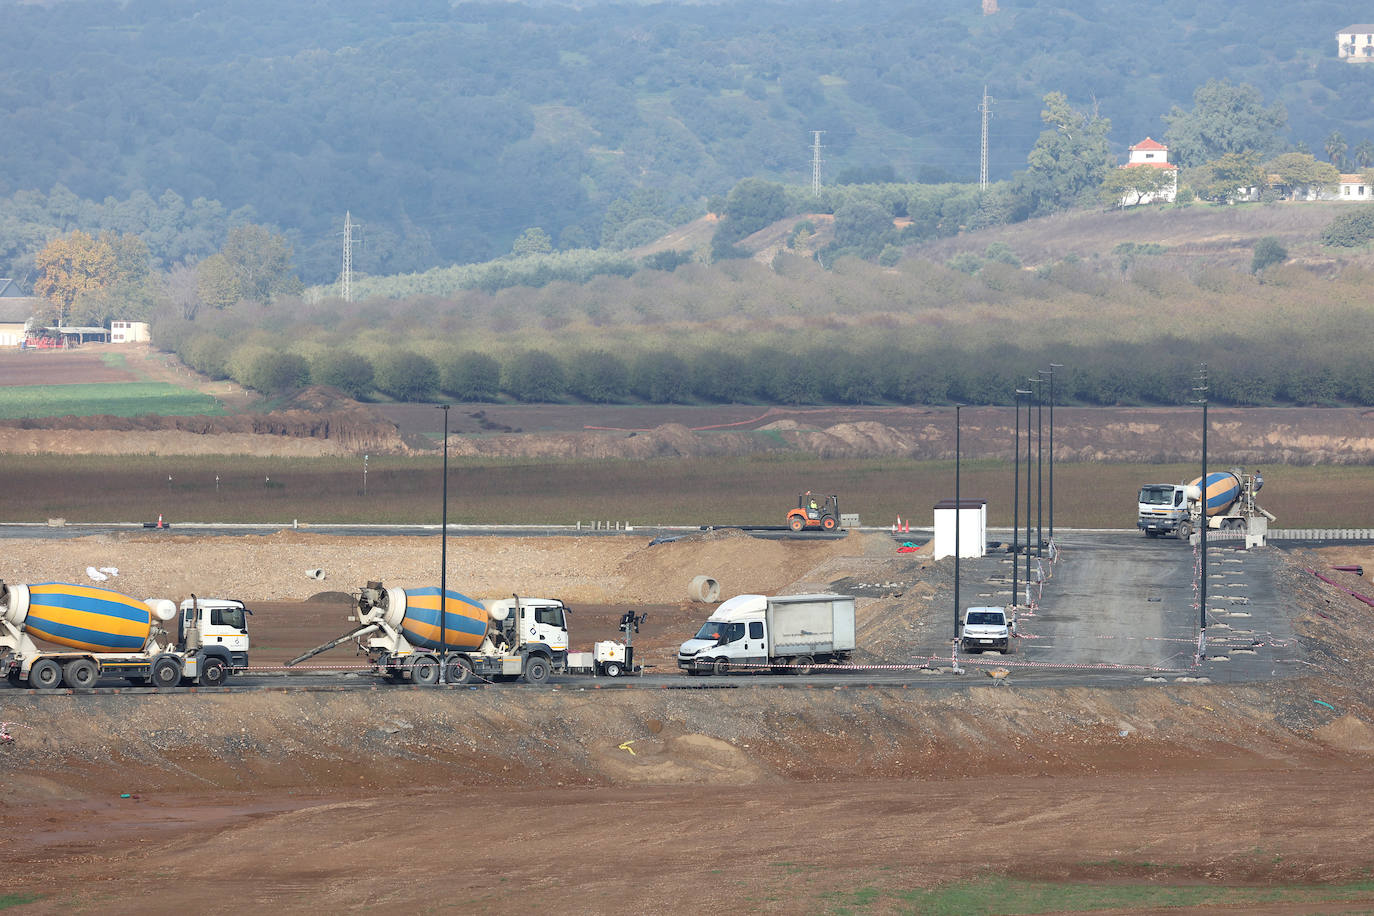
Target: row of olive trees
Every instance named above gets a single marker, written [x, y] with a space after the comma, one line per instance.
[1106, 375]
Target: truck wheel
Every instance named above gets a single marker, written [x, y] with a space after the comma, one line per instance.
[166, 673]
[796, 523]
[802, 664]
[80, 672]
[213, 672]
[1185, 531]
[425, 671]
[612, 669]
[536, 670]
[45, 674]
[829, 523]
[721, 667]
[459, 670]
[1151, 533]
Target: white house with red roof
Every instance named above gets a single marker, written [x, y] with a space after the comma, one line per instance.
[1355, 187]
[1150, 153]
[1355, 43]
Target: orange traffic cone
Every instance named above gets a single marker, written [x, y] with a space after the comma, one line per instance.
[159, 519]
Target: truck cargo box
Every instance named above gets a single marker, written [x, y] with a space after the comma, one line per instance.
[810, 624]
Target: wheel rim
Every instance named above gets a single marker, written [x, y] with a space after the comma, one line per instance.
[459, 672]
[425, 672]
[45, 675]
[80, 673]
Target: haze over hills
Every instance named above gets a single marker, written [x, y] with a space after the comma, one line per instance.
[450, 129]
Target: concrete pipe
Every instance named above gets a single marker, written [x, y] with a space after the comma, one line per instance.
[704, 588]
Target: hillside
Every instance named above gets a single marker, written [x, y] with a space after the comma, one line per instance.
[448, 130]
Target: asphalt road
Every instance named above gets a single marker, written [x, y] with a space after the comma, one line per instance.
[1119, 607]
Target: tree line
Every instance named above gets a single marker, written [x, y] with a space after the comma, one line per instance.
[1093, 376]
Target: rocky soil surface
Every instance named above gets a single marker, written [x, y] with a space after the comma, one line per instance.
[780, 800]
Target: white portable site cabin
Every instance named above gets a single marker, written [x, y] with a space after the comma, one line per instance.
[971, 515]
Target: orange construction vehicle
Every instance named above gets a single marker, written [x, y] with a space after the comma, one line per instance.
[814, 512]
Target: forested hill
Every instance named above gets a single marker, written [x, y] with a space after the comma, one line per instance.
[448, 129]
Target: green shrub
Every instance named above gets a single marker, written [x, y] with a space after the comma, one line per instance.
[470, 376]
[534, 376]
[407, 376]
[1267, 251]
[661, 377]
[1002, 253]
[349, 372]
[274, 371]
[208, 354]
[598, 376]
[966, 262]
[1350, 230]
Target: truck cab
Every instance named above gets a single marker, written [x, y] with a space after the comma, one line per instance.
[213, 630]
[985, 628]
[735, 635]
[1162, 509]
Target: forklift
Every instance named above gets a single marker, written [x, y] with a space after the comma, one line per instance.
[811, 512]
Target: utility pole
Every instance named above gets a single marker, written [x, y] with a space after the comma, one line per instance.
[1053, 366]
[1201, 391]
[983, 170]
[1016, 491]
[346, 279]
[443, 564]
[1035, 392]
[816, 161]
[958, 524]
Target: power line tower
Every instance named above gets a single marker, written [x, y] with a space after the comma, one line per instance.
[816, 161]
[985, 108]
[346, 280]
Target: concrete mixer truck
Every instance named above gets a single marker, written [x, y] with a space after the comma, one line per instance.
[96, 633]
[404, 638]
[1229, 505]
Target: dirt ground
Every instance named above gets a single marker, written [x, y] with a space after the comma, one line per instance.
[650, 800]
[640, 800]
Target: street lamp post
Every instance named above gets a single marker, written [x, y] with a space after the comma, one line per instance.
[1201, 391]
[443, 564]
[1039, 471]
[1053, 366]
[1033, 393]
[1016, 494]
[957, 523]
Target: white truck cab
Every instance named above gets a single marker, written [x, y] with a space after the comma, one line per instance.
[733, 636]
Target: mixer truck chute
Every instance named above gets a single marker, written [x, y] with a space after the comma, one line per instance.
[400, 633]
[98, 633]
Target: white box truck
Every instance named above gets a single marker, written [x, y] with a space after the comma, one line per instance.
[757, 633]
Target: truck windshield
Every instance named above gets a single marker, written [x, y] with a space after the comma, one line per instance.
[1157, 496]
[721, 632]
[985, 618]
